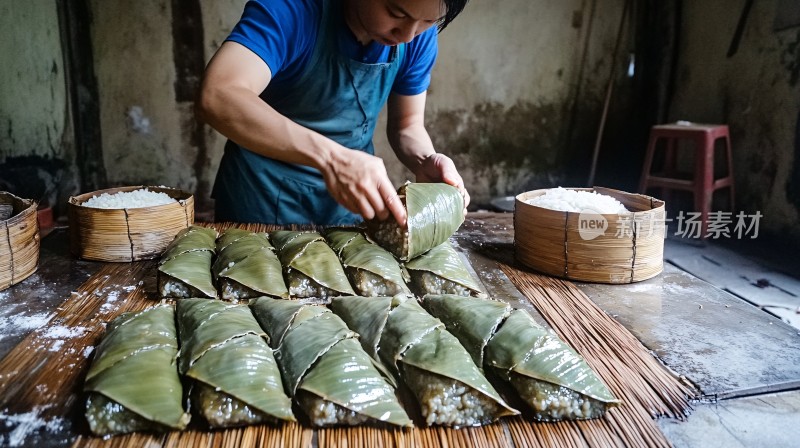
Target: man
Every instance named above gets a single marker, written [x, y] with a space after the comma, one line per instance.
[297, 88]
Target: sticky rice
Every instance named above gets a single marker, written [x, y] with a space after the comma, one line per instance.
[129, 199]
[565, 200]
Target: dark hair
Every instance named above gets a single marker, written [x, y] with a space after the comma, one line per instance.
[452, 9]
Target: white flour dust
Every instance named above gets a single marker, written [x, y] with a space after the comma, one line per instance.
[18, 427]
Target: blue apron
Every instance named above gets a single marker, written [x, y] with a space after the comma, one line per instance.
[335, 96]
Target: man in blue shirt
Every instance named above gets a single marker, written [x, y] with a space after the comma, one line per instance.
[297, 88]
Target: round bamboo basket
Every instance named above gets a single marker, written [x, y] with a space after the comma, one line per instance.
[588, 246]
[19, 241]
[128, 234]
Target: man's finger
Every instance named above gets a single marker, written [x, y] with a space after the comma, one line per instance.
[393, 202]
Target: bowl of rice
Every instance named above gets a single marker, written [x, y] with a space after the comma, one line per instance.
[127, 223]
[595, 234]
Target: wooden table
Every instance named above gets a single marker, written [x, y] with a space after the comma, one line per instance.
[726, 347]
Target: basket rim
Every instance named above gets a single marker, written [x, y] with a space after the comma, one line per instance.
[655, 204]
[30, 208]
[176, 193]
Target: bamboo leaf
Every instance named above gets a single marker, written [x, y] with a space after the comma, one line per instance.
[192, 238]
[345, 372]
[223, 346]
[158, 399]
[194, 269]
[366, 316]
[308, 253]
[444, 261]
[523, 346]
[262, 272]
[471, 320]
[355, 251]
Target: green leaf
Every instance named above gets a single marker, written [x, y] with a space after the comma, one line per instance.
[158, 399]
[191, 239]
[435, 211]
[308, 253]
[346, 376]
[355, 251]
[305, 342]
[262, 272]
[444, 261]
[238, 251]
[222, 345]
[194, 269]
[366, 316]
[523, 346]
[473, 321]
[229, 236]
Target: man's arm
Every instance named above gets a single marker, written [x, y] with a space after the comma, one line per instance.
[411, 142]
[229, 102]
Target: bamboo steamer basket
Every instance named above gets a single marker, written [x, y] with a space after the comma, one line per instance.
[591, 247]
[19, 241]
[130, 234]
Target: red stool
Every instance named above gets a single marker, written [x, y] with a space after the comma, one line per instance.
[703, 184]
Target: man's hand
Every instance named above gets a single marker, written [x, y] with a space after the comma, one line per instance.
[359, 182]
[440, 168]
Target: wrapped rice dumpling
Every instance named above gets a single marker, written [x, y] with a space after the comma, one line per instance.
[441, 271]
[311, 268]
[435, 211]
[236, 380]
[415, 346]
[324, 368]
[136, 345]
[247, 267]
[184, 269]
[548, 374]
[372, 270]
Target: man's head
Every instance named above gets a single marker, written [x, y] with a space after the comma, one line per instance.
[391, 22]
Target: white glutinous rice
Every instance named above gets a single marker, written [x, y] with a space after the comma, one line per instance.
[129, 199]
[564, 200]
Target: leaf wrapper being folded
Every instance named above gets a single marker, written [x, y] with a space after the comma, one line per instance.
[435, 211]
[367, 263]
[309, 254]
[451, 275]
[247, 267]
[223, 347]
[512, 343]
[409, 336]
[320, 356]
[138, 345]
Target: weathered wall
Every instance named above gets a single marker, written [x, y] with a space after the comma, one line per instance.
[506, 83]
[33, 109]
[35, 133]
[496, 104]
[515, 99]
[756, 93]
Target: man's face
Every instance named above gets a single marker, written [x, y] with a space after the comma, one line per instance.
[390, 22]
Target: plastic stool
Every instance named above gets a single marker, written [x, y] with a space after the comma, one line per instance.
[703, 184]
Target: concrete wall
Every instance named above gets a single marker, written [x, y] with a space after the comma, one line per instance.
[33, 107]
[756, 92]
[503, 89]
[36, 147]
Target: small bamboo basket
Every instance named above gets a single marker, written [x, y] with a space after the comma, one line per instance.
[588, 246]
[128, 234]
[19, 241]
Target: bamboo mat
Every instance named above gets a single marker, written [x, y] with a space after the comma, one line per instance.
[33, 375]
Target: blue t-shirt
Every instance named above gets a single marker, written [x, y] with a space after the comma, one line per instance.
[284, 32]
